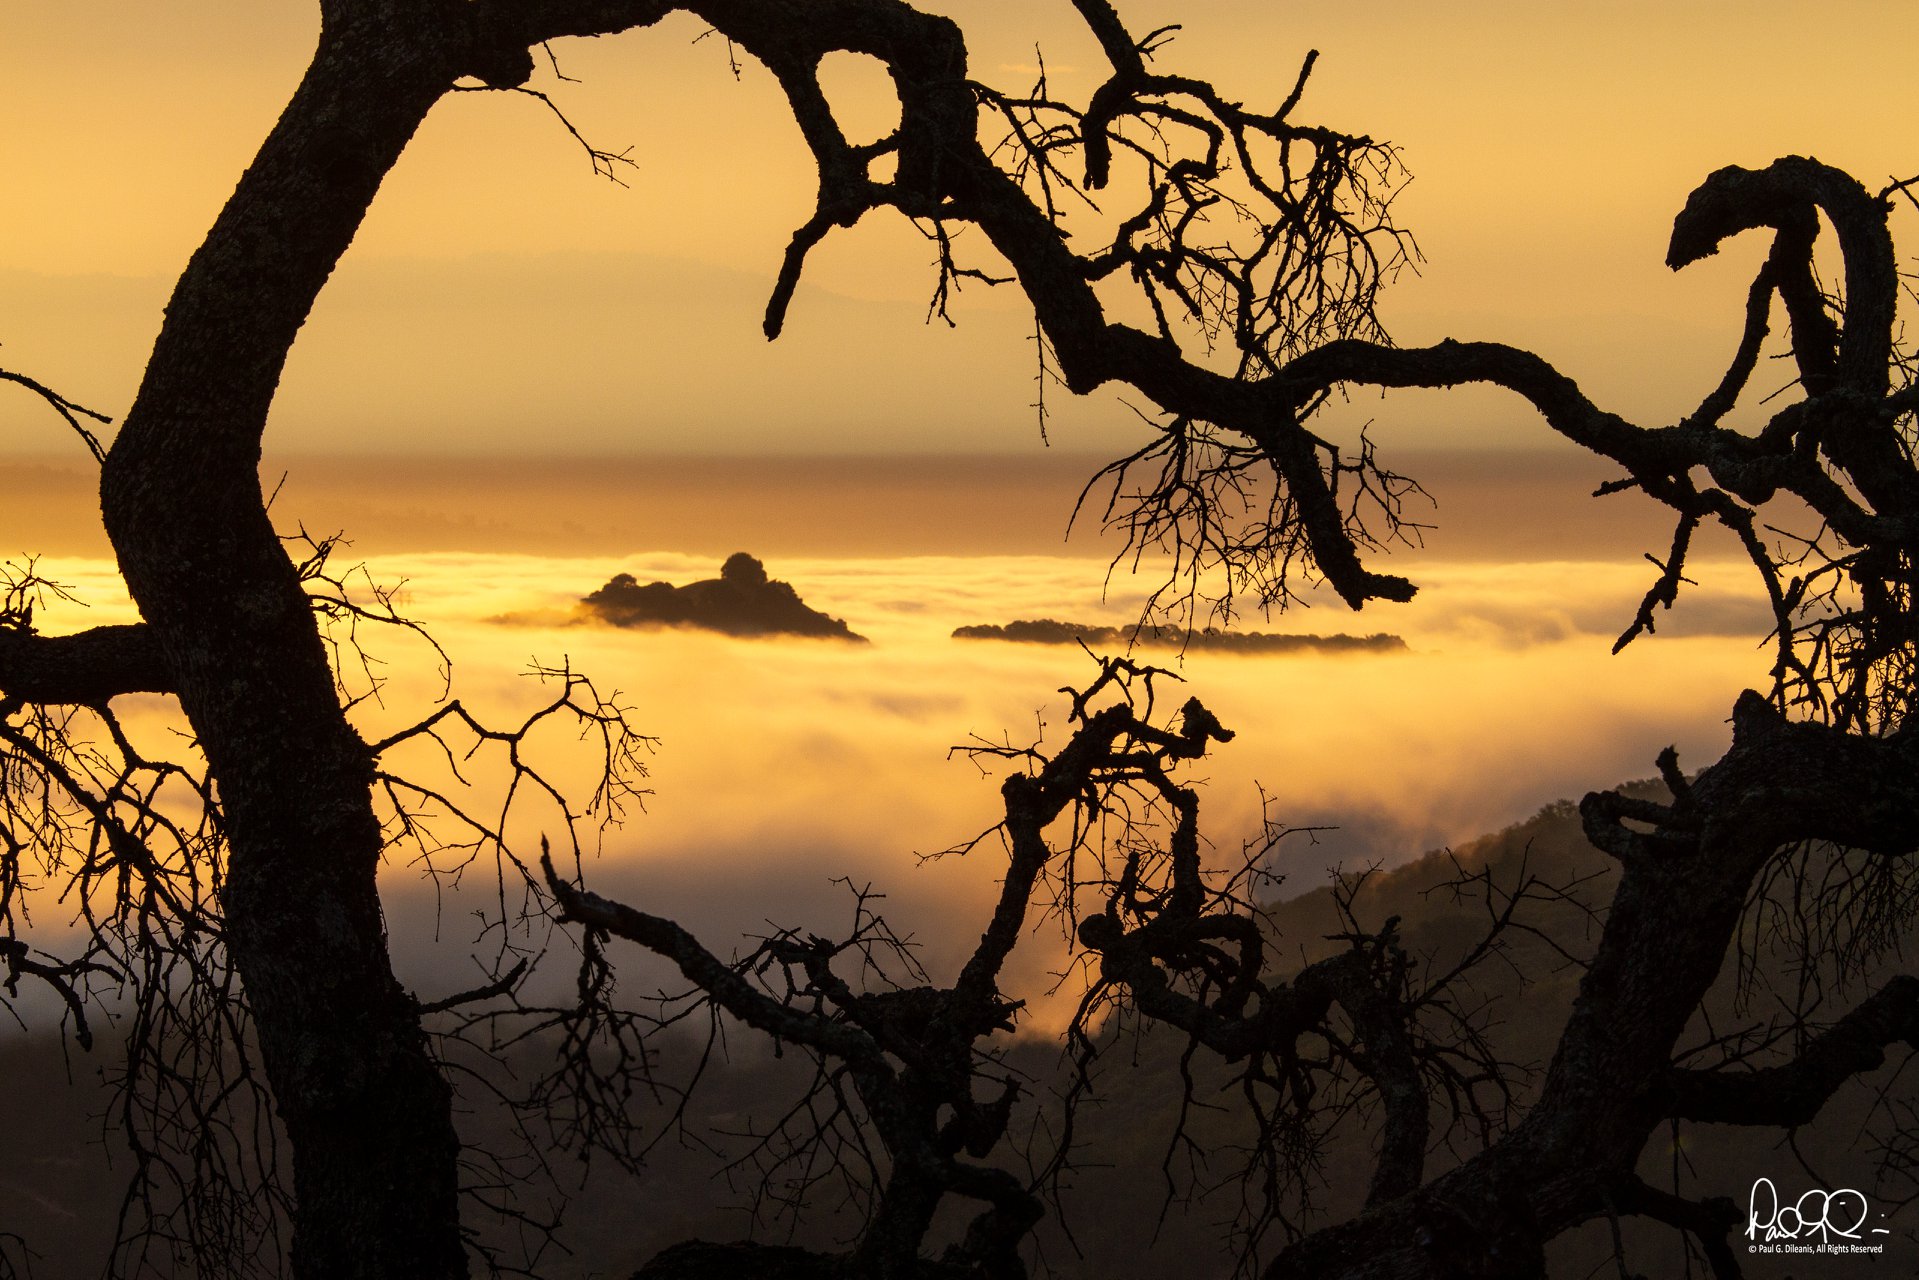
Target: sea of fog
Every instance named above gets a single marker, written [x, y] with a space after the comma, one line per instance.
[783, 770]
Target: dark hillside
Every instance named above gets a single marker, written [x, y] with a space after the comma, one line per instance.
[60, 1182]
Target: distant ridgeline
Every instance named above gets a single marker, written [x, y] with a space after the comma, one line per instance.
[742, 601]
[1047, 631]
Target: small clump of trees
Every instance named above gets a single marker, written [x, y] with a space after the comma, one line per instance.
[267, 1029]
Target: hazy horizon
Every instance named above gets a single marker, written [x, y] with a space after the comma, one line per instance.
[1479, 504]
[791, 763]
[497, 281]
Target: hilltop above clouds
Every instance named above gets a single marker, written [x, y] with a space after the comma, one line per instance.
[742, 601]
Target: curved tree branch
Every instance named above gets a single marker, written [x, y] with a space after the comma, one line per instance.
[1789, 1096]
[728, 988]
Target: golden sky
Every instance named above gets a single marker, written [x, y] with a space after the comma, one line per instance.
[783, 764]
[501, 299]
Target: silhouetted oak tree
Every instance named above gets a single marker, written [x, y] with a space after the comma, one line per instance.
[1234, 225]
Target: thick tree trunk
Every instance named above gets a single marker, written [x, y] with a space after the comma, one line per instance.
[365, 1107]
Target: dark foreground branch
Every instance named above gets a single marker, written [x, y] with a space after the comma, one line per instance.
[1792, 1095]
[67, 409]
[88, 668]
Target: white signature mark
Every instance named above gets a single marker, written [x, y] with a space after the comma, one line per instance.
[1817, 1214]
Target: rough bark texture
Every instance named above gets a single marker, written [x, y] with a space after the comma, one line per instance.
[89, 668]
[229, 629]
[365, 1107]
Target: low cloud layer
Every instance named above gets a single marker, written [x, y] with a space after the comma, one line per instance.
[1050, 631]
[784, 768]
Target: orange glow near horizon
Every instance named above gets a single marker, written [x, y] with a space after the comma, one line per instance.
[522, 380]
[499, 294]
[784, 766]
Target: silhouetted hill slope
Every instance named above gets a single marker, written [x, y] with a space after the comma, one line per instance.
[1528, 990]
[60, 1185]
[742, 601]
